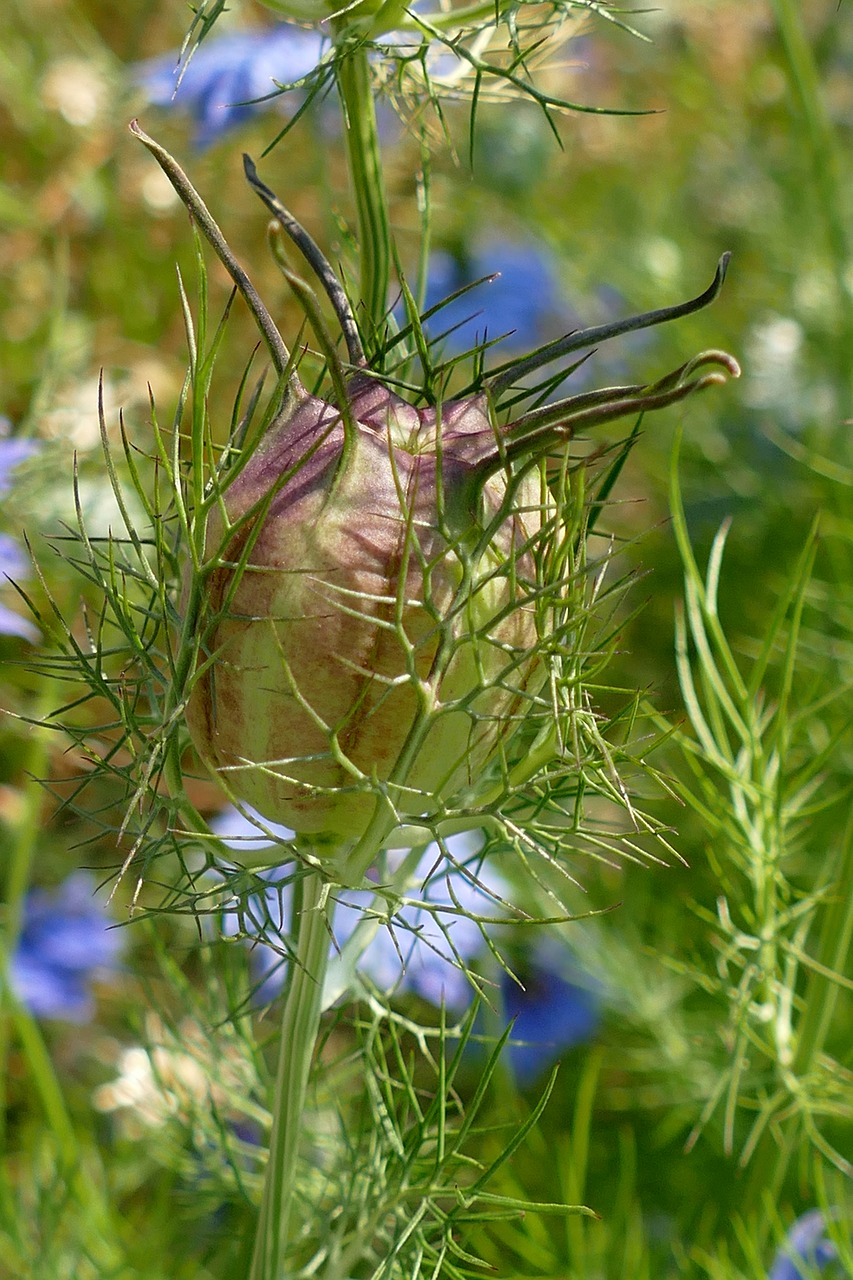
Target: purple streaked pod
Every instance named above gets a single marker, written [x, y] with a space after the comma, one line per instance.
[365, 630]
[375, 619]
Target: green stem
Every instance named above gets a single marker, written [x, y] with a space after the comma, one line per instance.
[771, 1159]
[367, 182]
[340, 977]
[299, 1028]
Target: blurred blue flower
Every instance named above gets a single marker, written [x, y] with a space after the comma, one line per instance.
[65, 942]
[220, 84]
[12, 453]
[14, 563]
[554, 1010]
[524, 301]
[421, 951]
[807, 1244]
[415, 953]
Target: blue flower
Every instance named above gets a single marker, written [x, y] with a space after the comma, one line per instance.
[524, 301]
[12, 453]
[553, 1010]
[65, 941]
[221, 83]
[14, 564]
[417, 952]
[807, 1244]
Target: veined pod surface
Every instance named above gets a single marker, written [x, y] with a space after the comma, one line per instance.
[372, 617]
[382, 591]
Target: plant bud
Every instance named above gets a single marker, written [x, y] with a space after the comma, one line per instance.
[362, 632]
[382, 596]
[384, 592]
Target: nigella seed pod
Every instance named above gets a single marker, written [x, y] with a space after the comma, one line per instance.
[380, 599]
[363, 632]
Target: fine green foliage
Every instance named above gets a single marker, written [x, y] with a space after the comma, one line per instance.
[760, 788]
[663, 829]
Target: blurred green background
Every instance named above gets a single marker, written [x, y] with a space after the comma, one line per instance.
[741, 143]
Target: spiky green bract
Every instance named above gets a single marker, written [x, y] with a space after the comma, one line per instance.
[500, 580]
[485, 51]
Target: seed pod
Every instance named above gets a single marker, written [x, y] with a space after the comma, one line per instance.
[364, 628]
[373, 616]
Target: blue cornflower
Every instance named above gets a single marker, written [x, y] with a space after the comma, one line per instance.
[807, 1245]
[552, 1010]
[524, 301]
[220, 84]
[65, 941]
[14, 563]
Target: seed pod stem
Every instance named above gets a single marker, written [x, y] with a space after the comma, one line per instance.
[300, 1025]
[554, 424]
[317, 261]
[199, 211]
[505, 375]
[308, 301]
